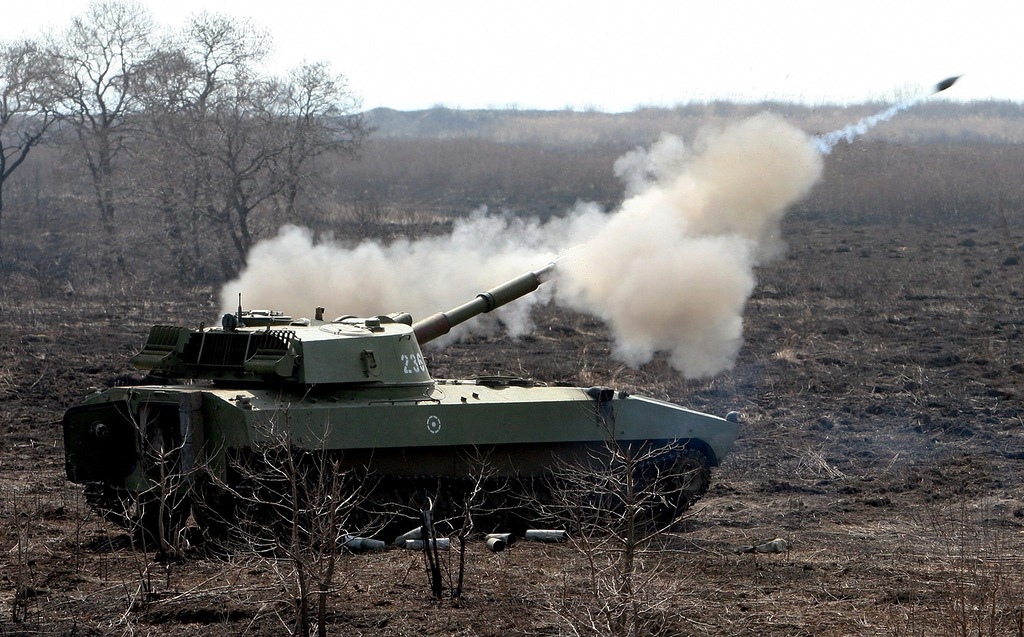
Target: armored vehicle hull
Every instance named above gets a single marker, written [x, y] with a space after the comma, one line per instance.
[357, 390]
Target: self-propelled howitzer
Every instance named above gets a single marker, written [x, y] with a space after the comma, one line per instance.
[356, 390]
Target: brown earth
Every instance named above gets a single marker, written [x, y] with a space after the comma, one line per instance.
[881, 382]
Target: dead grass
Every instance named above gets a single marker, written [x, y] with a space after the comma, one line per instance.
[882, 439]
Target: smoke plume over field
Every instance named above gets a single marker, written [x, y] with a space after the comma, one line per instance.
[673, 268]
[669, 271]
[292, 273]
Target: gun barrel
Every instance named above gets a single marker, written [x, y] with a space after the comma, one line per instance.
[441, 323]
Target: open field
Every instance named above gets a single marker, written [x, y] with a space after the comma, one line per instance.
[881, 378]
[881, 382]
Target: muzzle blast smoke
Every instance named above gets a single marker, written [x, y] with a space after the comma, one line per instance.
[669, 271]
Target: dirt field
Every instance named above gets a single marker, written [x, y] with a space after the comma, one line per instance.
[881, 382]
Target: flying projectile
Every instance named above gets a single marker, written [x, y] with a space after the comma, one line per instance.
[946, 83]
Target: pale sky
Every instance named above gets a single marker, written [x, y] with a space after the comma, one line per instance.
[616, 55]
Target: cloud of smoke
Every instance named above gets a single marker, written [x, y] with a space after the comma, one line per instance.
[295, 274]
[673, 268]
[669, 271]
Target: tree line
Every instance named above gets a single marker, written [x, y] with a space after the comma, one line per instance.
[182, 128]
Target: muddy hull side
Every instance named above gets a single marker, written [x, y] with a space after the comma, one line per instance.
[133, 446]
[522, 429]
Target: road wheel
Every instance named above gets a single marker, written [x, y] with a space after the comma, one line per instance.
[683, 477]
[213, 510]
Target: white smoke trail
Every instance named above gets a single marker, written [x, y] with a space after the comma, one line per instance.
[827, 141]
[670, 271]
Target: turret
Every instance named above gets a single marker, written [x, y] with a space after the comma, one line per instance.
[441, 323]
[270, 347]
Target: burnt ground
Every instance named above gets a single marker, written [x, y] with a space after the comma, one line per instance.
[881, 382]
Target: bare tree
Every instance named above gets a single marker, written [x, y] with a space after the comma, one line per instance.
[618, 502]
[292, 509]
[264, 140]
[194, 73]
[246, 154]
[219, 50]
[219, 150]
[318, 115]
[232, 146]
[457, 502]
[26, 107]
[102, 56]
